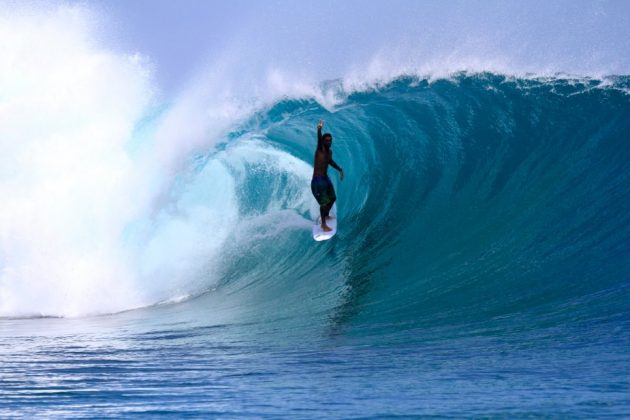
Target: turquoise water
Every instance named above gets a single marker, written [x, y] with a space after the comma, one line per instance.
[480, 268]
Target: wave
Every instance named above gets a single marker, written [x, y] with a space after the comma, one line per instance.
[469, 196]
[468, 200]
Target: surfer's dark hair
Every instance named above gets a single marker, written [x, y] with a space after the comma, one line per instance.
[327, 136]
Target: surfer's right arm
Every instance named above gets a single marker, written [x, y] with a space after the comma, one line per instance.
[320, 139]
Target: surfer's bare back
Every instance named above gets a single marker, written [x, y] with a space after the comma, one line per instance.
[321, 186]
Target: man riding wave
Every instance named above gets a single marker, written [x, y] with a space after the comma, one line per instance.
[321, 186]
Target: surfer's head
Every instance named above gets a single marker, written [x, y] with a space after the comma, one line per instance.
[327, 140]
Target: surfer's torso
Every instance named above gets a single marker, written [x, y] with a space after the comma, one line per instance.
[322, 159]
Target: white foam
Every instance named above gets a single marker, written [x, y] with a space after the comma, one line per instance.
[71, 188]
[66, 112]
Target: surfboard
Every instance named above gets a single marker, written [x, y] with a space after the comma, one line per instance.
[319, 234]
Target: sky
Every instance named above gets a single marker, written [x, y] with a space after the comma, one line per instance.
[184, 41]
[327, 39]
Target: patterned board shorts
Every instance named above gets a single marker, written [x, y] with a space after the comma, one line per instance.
[323, 190]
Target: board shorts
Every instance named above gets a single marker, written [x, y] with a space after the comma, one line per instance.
[323, 190]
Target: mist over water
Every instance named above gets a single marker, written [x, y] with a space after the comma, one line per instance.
[89, 169]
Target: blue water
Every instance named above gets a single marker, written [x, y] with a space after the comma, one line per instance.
[481, 268]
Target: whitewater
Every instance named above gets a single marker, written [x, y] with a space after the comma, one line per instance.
[156, 256]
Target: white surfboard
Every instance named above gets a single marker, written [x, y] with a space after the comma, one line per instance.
[319, 234]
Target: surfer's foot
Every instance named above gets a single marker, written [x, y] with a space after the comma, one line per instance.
[326, 228]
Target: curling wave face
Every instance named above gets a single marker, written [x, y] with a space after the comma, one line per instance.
[478, 200]
[470, 199]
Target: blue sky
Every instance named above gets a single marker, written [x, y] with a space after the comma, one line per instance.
[325, 38]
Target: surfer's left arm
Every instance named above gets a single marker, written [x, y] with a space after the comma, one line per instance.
[337, 167]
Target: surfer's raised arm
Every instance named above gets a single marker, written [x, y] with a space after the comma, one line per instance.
[320, 139]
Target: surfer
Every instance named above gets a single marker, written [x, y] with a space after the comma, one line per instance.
[321, 186]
